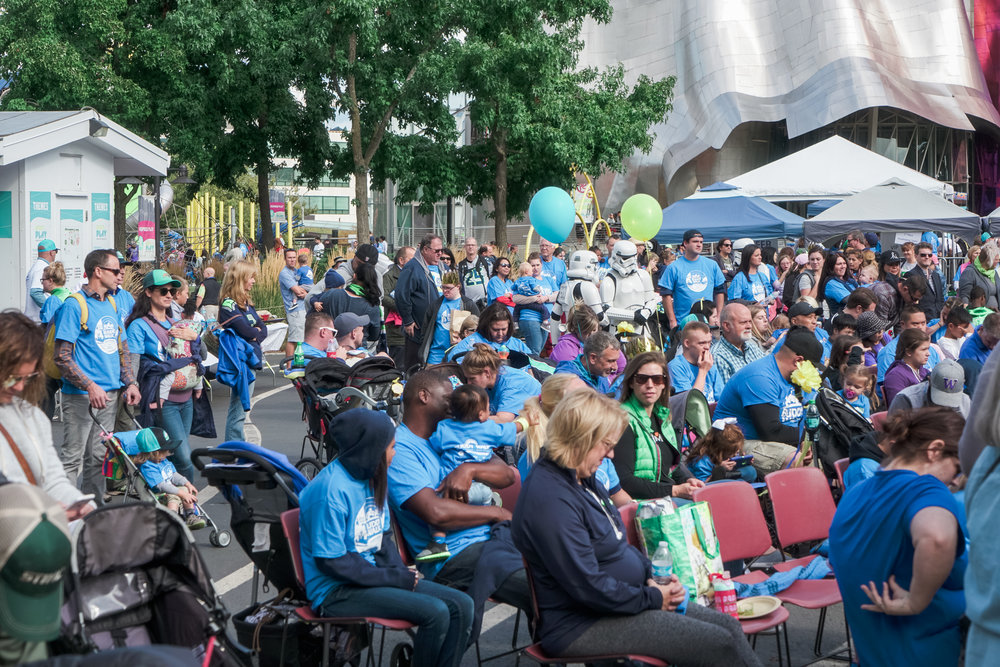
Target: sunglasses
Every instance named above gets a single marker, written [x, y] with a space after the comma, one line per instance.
[172, 291]
[114, 271]
[436, 251]
[926, 254]
[332, 331]
[14, 379]
[505, 266]
[641, 379]
[726, 245]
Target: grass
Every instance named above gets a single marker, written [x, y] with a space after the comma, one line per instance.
[266, 294]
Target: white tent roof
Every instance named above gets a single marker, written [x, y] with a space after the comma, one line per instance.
[893, 206]
[834, 168]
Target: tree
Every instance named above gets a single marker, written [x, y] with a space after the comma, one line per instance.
[386, 66]
[535, 114]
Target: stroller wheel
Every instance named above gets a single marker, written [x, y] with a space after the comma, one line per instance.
[402, 655]
[309, 467]
[220, 538]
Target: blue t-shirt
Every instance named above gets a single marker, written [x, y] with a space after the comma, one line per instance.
[544, 286]
[142, 339]
[870, 540]
[304, 275]
[837, 291]
[528, 286]
[287, 279]
[442, 330]
[157, 473]
[702, 467]
[512, 389]
[606, 473]
[755, 288]
[972, 348]
[689, 281]
[50, 308]
[859, 471]
[338, 515]
[683, 374]
[96, 350]
[458, 442]
[125, 303]
[414, 468]
[821, 335]
[860, 403]
[435, 272]
[498, 287]
[464, 345]
[555, 271]
[755, 384]
[887, 355]
[310, 352]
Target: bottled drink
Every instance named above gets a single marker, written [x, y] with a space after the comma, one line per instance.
[812, 416]
[663, 564]
[300, 359]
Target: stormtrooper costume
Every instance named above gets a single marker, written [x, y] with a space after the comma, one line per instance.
[580, 286]
[625, 288]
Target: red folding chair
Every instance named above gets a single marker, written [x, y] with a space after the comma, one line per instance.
[879, 419]
[508, 495]
[743, 535]
[631, 529]
[803, 511]
[840, 465]
[536, 653]
[290, 525]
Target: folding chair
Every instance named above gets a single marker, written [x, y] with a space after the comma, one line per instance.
[508, 496]
[627, 513]
[290, 525]
[840, 465]
[803, 511]
[536, 653]
[879, 419]
[743, 535]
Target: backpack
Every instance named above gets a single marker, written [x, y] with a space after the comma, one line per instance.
[49, 358]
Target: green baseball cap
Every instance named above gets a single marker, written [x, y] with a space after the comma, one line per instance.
[159, 278]
[47, 245]
[34, 557]
[153, 439]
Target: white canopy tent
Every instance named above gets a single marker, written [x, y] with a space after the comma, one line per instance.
[835, 168]
[893, 206]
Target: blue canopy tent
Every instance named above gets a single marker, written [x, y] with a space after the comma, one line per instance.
[727, 215]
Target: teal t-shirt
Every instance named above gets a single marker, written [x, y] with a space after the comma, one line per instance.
[96, 349]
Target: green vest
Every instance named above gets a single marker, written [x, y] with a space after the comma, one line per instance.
[647, 454]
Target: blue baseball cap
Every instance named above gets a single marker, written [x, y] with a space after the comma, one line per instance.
[47, 245]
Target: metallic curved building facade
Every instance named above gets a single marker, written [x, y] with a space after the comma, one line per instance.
[757, 79]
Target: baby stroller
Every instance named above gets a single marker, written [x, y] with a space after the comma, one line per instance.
[839, 423]
[259, 485]
[137, 579]
[119, 467]
[691, 417]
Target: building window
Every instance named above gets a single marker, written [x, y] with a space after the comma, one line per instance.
[326, 205]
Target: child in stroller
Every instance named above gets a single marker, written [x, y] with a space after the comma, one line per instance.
[174, 490]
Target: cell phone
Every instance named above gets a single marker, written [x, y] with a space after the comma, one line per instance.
[81, 502]
[742, 461]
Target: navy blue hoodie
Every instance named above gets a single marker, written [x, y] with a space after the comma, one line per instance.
[583, 567]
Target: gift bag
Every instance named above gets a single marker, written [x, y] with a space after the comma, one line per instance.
[689, 532]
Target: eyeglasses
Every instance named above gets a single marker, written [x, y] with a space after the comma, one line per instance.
[15, 379]
[107, 268]
[172, 291]
[641, 379]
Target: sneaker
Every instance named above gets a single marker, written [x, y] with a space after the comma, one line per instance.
[195, 522]
[433, 552]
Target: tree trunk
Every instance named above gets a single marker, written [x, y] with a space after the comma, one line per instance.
[500, 191]
[264, 204]
[361, 199]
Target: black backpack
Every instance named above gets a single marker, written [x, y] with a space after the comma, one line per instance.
[839, 423]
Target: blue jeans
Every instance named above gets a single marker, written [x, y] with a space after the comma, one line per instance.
[236, 415]
[443, 616]
[175, 419]
[533, 337]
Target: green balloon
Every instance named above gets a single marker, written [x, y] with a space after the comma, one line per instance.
[641, 217]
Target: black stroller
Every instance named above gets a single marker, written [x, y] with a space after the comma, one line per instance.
[839, 424]
[137, 579]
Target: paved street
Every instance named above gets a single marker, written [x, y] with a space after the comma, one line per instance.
[275, 420]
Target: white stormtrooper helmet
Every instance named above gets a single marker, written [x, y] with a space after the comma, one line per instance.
[583, 265]
[738, 246]
[623, 258]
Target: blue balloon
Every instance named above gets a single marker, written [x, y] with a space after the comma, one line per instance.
[552, 214]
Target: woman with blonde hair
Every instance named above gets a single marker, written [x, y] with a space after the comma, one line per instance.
[760, 326]
[54, 283]
[595, 591]
[507, 387]
[531, 441]
[237, 315]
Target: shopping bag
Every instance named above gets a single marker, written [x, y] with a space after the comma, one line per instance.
[690, 534]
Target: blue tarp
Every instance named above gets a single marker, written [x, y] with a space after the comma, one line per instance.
[820, 205]
[732, 217]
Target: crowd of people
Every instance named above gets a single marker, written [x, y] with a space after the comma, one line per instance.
[553, 375]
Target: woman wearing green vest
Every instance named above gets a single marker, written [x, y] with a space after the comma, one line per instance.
[647, 457]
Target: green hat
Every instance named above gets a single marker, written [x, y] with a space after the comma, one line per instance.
[153, 439]
[47, 245]
[34, 557]
[159, 278]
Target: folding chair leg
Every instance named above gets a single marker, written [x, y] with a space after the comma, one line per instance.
[818, 646]
[326, 645]
[381, 647]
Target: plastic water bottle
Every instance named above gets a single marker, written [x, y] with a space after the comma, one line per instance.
[663, 564]
[812, 416]
[300, 359]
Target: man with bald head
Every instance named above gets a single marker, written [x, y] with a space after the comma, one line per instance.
[207, 299]
[473, 273]
[736, 347]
